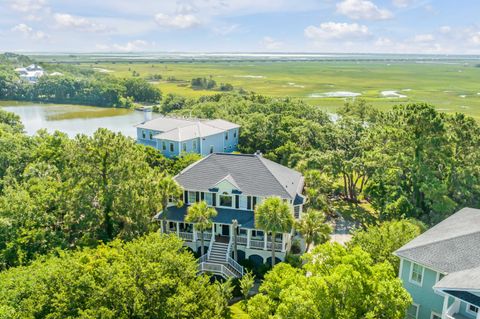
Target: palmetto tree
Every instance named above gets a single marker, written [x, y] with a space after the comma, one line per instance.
[274, 216]
[168, 189]
[201, 216]
[313, 228]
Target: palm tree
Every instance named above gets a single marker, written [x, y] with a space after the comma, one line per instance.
[313, 228]
[201, 216]
[274, 216]
[168, 189]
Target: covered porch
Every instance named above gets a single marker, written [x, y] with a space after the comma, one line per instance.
[460, 305]
[223, 229]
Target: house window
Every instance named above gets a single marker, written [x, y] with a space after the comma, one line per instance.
[226, 200]
[164, 146]
[211, 149]
[192, 197]
[195, 145]
[242, 232]
[243, 202]
[143, 134]
[412, 312]
[226, 136]
[209, 198]
[150, 135]
[235, 134]
[184, 147]
[416, 274]
[471, 309]
[171, 147]
[435, 316]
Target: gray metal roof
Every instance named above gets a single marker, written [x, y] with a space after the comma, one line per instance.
[450, 246]
[253, 174]
[183, 129]
[245, 218]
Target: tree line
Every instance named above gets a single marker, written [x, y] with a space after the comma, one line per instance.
[77, 87]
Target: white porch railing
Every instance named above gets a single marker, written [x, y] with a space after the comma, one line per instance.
[203, 258]
[210, 246]
[232, 262]
[186, 236]
[259, 244]
[278, 246]
[217, 269]
[242, 240]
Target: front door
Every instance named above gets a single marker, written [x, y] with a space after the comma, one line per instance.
[225, 230]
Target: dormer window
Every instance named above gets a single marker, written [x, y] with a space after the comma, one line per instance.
[226, 136]
[235, 134]
[226, 200]
[150, 135]
[143, 134]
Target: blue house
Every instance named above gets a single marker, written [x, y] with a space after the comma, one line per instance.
[441, 269]
[234, 184]
[174, 136]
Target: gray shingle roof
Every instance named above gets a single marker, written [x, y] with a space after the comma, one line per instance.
[254, 175]
[450, 246]
[468, 279]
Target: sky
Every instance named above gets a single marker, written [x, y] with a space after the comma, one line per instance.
[324, 26]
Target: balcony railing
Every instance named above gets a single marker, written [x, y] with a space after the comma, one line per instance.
[259, 244]
[186, 236]
[242, 240]
[278, 246]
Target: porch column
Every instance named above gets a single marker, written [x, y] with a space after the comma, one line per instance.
[249, 237]
[178, 229]
[213, 232]
[445, 307]
[265, 240]
[195, 235]
[284, 242]
[231, 230]
[478, 315]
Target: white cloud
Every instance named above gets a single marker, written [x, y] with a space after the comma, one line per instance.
[178, 21]
[337, 31]
[402, 3]
[445, 29]
[66, 20]
[423, 38]
[362, 9]
[270, 43]
[137, 45]
[225, 30]
[27, 5]
[28, 32]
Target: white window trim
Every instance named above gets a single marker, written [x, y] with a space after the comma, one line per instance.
[418, 309]
[438, 292]
[435, 314]
[231, 196]
[467, 309]
[411, 272]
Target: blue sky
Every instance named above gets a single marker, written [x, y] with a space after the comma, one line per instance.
[383, 26]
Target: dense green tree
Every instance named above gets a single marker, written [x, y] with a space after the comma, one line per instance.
[200, 214]
[382, 240]
[334, 283]
[314, 228]
[274, 216]
[142, 91]
[151, 277]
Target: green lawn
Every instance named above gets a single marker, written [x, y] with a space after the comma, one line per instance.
[451, 87]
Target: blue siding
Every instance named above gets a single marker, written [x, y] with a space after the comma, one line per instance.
[218, 141]
[463, 310]
[424, 296]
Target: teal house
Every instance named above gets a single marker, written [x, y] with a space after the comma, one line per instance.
[441, 269]
[173, 136]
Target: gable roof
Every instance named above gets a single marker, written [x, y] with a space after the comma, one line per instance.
[450, 246]
[468, 279]
[183, 129]
[252, 173]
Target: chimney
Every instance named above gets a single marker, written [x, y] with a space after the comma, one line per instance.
[147, 114]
